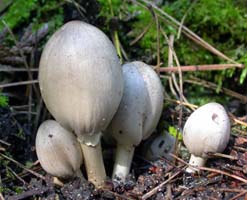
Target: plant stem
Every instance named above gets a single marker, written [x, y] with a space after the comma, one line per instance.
[124, 155]
[94, 163]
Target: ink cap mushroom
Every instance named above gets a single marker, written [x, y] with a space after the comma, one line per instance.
[81, 83]
[207, 130]
[58, 151]
[137, 115]
[159, 145]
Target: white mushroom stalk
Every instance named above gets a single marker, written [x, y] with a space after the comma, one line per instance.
[58, 151]
[206, 130]
[137, 115]
[81, 83]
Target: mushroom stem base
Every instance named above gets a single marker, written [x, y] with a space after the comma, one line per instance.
[195, 161]
[79, 174]
[94, 164]
[124, 155]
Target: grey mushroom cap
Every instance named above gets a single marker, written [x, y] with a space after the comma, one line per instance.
[207, 130]
[80, 78]
[57, 149]
[141, 106]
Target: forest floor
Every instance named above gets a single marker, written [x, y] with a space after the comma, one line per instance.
[21, 176]
[224, 176]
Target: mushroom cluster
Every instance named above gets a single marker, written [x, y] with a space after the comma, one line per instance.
[81, 83]
[206, 130]
[89, 94]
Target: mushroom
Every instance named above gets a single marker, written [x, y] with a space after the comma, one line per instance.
[206, 130]
[58, 150]
[159, 146]
[81, 83]
[137, 115]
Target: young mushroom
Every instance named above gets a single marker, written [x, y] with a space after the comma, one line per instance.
[159, 146]
[206, 130]
[81, 83]
[58, 150]
[137, 115]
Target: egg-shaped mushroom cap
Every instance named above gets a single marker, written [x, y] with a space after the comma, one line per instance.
[155, 95]
[207, 130]
[80, 78]
[58, 150]
[140, 107]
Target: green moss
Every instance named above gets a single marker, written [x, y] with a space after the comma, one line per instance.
[19, 11]
[3, 100]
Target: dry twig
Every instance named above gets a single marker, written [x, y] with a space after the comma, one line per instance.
[156, 189]
[194, 68]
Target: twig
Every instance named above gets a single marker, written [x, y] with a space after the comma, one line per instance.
[235, 190]
[18, 83]
[115, 35]
[170, 64]
[194, 68]
[1, 196]
[145, 30]
[240, 148]
[29, 193]
[6, 143]
[183, 18]
[236, 120]
[180, 89]
[157, 188]
[16, 175]
[191, 106]
[213, 86]
[23, 167]
[6, 68]
[23, 57]
[239, 195]
[222, 156]
[211, 170]
[168, 190]
[156, 19]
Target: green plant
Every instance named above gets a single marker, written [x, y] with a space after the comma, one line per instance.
[3, 100]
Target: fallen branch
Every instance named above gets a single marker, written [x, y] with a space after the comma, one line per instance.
[214, 86]
[194, 68]
[18, 83]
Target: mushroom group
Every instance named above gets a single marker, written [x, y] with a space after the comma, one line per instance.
[207, 130]
[89, 94]
[81, 83]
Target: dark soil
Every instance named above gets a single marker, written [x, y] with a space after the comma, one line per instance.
[161, 179]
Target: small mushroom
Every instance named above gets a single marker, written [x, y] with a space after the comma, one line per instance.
[206, 130]
[81, 83]
[58, 150]
[137, 115]
[159, 146]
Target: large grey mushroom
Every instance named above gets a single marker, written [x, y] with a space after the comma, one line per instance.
[137, 115]
[81, 83]
[206, 130]
[58, 150]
